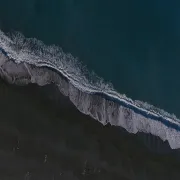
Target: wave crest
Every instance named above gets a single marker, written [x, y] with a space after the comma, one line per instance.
[28, 60]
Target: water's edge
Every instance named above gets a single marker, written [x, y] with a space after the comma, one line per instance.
[17, 68]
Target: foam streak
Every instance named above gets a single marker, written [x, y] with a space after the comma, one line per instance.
[24, 61]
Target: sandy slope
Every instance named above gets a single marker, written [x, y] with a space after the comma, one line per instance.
[39, 140]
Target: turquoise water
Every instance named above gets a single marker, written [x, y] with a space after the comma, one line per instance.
[133, 45]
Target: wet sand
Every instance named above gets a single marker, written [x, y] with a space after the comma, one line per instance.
[44, 137]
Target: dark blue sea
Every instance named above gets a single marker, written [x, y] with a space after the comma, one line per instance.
[132, 44]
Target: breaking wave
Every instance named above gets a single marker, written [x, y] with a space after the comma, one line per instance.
[28, 60]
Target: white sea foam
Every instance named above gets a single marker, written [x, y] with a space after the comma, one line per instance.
[24, 61]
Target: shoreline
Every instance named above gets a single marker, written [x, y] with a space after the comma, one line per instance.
[101, 106]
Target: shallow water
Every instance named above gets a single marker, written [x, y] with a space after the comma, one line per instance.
[40, 139]
[133, 45]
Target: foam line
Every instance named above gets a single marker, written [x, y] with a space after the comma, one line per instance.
[24, 61]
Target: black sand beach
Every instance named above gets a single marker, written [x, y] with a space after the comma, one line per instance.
[45, 137]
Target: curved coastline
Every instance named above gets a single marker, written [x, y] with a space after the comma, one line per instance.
[106, 108]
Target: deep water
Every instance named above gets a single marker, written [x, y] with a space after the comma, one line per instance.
[40, 139]
[133, 45]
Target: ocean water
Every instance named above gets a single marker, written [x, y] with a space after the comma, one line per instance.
[133, 45]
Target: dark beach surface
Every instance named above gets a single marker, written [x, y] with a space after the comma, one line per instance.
[43, 136]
